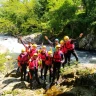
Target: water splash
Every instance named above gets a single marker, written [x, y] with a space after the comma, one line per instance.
[11, 44]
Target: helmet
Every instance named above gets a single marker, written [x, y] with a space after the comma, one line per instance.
[56, 40]
[35, 54]
[39, 51]
[43, 46]
[23, 50]
[66, 38]
[49, 52]
[62, 41]
[58, 46]
[34, 45]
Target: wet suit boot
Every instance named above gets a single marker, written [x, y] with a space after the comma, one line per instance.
[41, 73]
[49, 79]
[21, 76]
[50, 76]
[30, 84]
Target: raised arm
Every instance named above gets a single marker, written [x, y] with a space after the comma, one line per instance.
[50, 42]
[80, 36]
[22, 41]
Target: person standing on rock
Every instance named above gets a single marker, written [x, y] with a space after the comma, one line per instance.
[69, 44]
[64, 51]
[53, 44]
[57, 58]
[27, 47]
[33, 69]
[33, 50]
[48, 66]
[42, 56]
[23, 62]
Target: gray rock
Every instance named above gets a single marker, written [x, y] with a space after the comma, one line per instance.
[32, 38]
[88, 42]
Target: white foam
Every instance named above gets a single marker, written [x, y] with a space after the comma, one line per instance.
[11, 44]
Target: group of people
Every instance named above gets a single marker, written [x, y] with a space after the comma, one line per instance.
[52, 60]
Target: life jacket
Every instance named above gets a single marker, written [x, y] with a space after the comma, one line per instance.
[69, 46]
[18, 59]
[48, 60]
[23, 58]
[43, 56]
[32, 52]
[63, 49]
[33, 63]
[28, 48]
[57, 56]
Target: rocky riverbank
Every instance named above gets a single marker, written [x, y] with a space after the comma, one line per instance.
[76, 80]
[88, 42]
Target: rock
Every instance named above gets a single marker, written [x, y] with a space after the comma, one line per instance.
[67, 94]
[12, 73]
[70, 75]
[88, 42]
[53, 91]
[11, 83]
[71, 86]
[32, 38]
[68, 81]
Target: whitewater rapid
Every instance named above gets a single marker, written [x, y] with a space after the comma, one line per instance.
[11, 44]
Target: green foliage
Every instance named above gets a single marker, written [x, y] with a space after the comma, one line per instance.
[7, 26]
[21, 16]
[2, 61]
[14, 92]
[55, 17]
[6, 63]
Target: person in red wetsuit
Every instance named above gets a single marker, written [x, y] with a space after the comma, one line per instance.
[42, 56]
[23, 62]
[57, 58]
[33, 50]
[48, 66]
[33, 68]
[28, 46]
[69, 44]
[65, 52]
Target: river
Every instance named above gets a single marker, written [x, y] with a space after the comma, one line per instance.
[14, 48]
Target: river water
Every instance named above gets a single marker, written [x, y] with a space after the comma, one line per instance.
[14, 48]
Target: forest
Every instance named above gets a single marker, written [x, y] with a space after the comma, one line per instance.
[55, 17]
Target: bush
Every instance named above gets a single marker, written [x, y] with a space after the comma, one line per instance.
[2, 61]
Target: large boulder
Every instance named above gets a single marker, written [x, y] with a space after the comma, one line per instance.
[32, 38]
[88, 42]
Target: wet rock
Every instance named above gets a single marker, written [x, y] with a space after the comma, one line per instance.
[67, 94]
[88, 42]
[53, 91]
[68, 82]
[69, 75]
[12, 73]
[32, 38]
